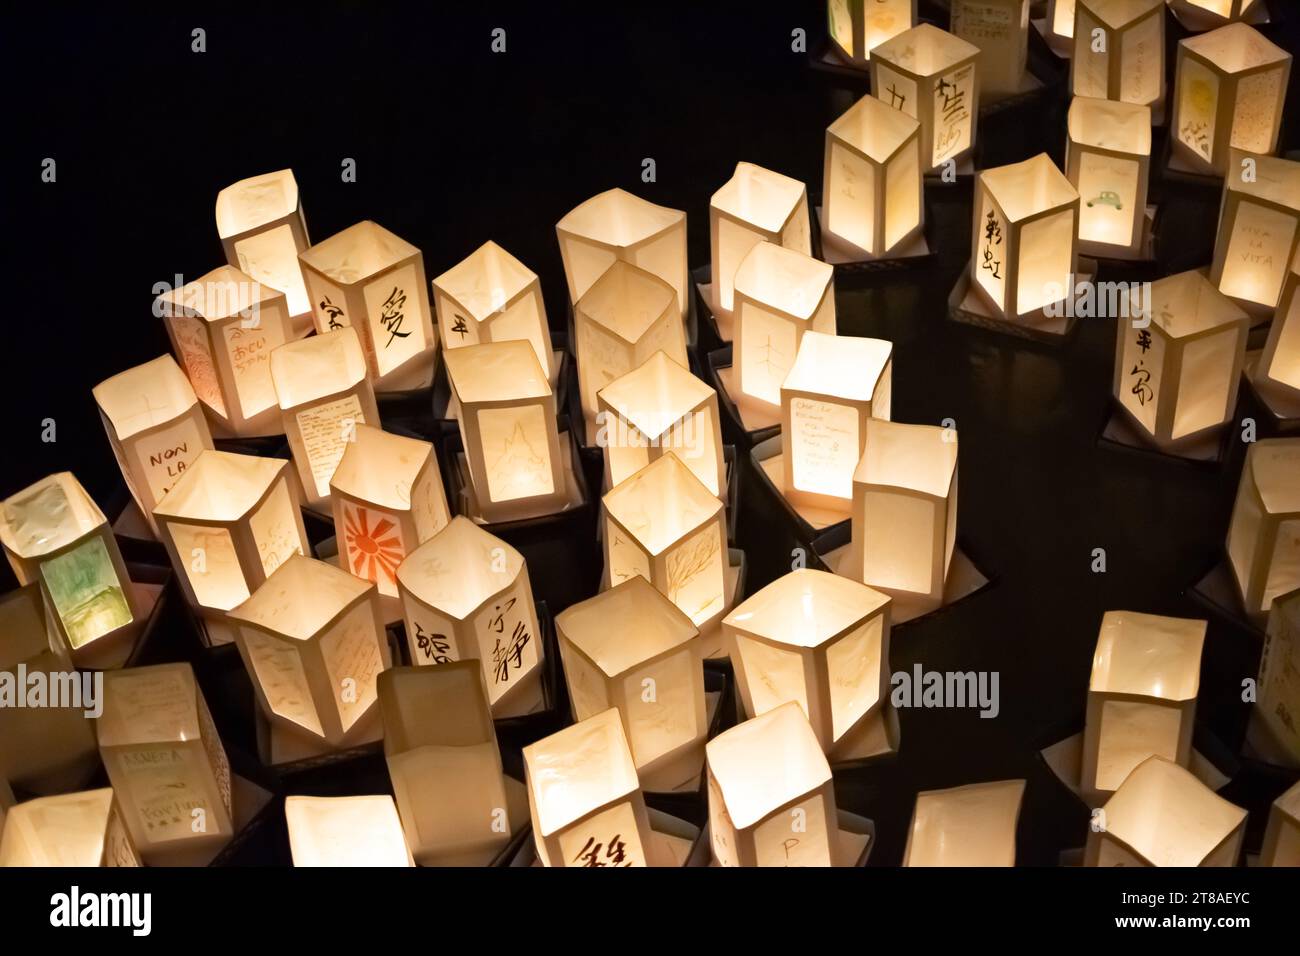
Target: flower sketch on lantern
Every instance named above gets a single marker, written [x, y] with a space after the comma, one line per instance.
[855, 27]
[262, 229]
[1119, 52]
[1264, 533]
[974, 825]
[1107, 161]
[1259, 229]
[1000, 28]
[345, 832]
[69, 830]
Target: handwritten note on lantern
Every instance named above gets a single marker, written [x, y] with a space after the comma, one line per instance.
[352, 659]
[824, 446]
[192, 341]
[279, 671]
[275, 529]
[1253, 261]
[164, 455]
[250, 348]
[325, 435]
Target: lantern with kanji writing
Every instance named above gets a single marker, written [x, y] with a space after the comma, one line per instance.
[856, 26]
[1119, 51]
[262, 230]
[1264, 535]
[1108, 161]
[1282, 834]
[1259, 229]
[345, 832]
[1278, 703]
[1000, 28]
[974, 825]
[72, 829]
[1278, 371]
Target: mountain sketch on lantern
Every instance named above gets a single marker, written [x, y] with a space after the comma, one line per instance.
[374, 545]
[519, 470]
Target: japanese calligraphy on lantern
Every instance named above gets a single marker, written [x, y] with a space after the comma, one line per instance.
[608, 839]
[991, 251]
[325, 435]
[897, 90]
[1144, 357]
[433, 647]
[953, 116]
[508, 644]
[396, 319]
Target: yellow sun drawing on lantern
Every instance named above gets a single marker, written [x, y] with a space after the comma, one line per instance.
[373, 543]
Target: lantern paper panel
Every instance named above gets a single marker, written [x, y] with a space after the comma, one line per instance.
[345, 832]
[1108, 162]
[1259, 229]
[1119, 51]
[6, 802]
[1060, 24]
[262, 229]
[1264, 533]
[1278, 704]
[1000, 28]
[856, 27]
[1209, 14]
[974, 825]
[1282, 834]
[83, 829]
[1279, 365]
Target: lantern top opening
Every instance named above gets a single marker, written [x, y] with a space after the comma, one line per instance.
[316, 366]
[627, 300]
[846, 367]
[443, 706]
[580, 769]
[806, 608]
[345, 831]
[1111, 124]
[648, 625]
[47, 515]
[486, 280]
[911, 457]
[460, 568]
[1116, 14]
[220, 486]
[1274, 465]
[1236, 47]
[496, 372]
[380, 467]
[972, 824]
[616, 217]
[63, 830]
[301, 597]
[655, 394]
[256, 201]
[758, 195]
[925, 50]
[785, 279]
[149, 705]
[874, 128]
[144, 396]
[358, 252]
[1188, 304]
[1148, 655]
[1030, 187]
[661, 503]
[1276, 180]
[23, 632]
[224, 293]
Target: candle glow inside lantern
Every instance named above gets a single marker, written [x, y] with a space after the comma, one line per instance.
[1282, 835]
[872, 178]
[223, 327]
[974, 825]
[466, 595]
[1060, 25]
[656, 408]
[1259, 229]
[1119, 51]
[1108, 162]
[1264, 534]
[506, 411]
[313, 642]
[345, 832]
[857, 26]
[1000, 28]
[771, 797]
[324, 393]
[1278, 371]
[1278, 704]
[72, 829]
[933, 77]
[262, 230]
[1177, 376]
[166, 763]
[155, 426]
[1229, 88]
[1214, 13]
[373, 280]
[1162, 815]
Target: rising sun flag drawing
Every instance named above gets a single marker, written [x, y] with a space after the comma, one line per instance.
[374, 549]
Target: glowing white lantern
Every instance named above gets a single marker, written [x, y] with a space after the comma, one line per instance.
[1209, 14]
[1000, 28]
[1278, 703]
[856, 26]
[1108, 162]
[1282, 836]
[1259, 229]
[974, 825]
[1278, 372]
[1119, 51]
[1264, 535]
[1060, 26]
[262, 230]
[73, 830]
[345, 832]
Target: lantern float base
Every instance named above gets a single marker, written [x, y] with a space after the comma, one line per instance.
[845, 257]
[855, 837]
[769, 464]
[134, 536]
[674, 839]
[966, 304]
[1217, 591]
[716, 323]
[1121, 433]
[829, 63]
[287, 751]
[1145, 251]
[746, 422]
[1283, 409]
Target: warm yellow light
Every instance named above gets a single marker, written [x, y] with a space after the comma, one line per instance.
[262, 230]
[1119, 51]
[1279, 690]
[1108, 156]
[1000, 28]
[857, 26]
[1259, 229]
[974, 825]
[1279, 366]
[73, 830]
[345, 831]
[1264, 534]
[753, 206]
[1282, 836]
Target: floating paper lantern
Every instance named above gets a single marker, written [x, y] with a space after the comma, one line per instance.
[1060, 25]
[1142, 695]
[1229, 88]
[223, 328]
[1119, 51]
[974, 825]
[1161, 815]
[262, 230]
[345, 831]
[1259, 229]
[1208, 14]
[1278, 371]
[1108, 162]
[1278, 703]
[933, 77]
[1282, 835]
[73, 829]
[856, 26]
[771, 798]
[1000, 28]
[872, 179]
[1264, 536]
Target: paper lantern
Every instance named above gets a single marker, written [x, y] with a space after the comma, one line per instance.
[1282, 835]
[166, 763]
[666, 526]
[1278, 372]
[1024, 237]
[6, 802]
[223, 328]
[155, 426]
[1208, 14]
[55, 535]
[753, 206]
[872, 180]
[1108, 162]
[506, 412]
[345, 831]
[491, 296]
[1142, 695]
[324, 393]
[1060, 25]
[1000, 28]
[771, 798]
[262, 230]
[857, 26]
[616, 226]
[388, 500]
[441, 748]
[904, 523]
[974, 825]
[1278, 703]
[372, 280]
[1264, 535]
[586, 803]
[649, 668]
[1161, 815]
[931, 76]
[834, 386]
[73, 829]
[466, 595]
[656, 408]
[1177, 376]
[624, 317]
[313, 641]
[1119, 51]
[1259, 229]
[1229, 88]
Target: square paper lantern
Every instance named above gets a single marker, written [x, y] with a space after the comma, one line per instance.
[1278, 371]
[73, 829]
[1177, 376]
[155, 426]
[1278, 704]
[313, 642]
[228, 523]
[1264, 535]
[666, 526]
[656, 408]
[223, 328]
[624, 317]
[586, 802]
[1229, 89]
[905, 509]
[166, 763]
[753, 206]
[1000, 28]
[974, 825]
[649, 667]
[441, 748]
[1282, 835]
[1060, 25]
[345, 831]
[933, 77]
[771, 798]
[872, 179]
[262, 230]
[834, 386]
[616, 226]
[388, 500]
[55, 535]
[1162, 815]
[1259, 229]
[465, 596]
[1146, 673]
[1025, 237]
[1214, 12]
[1119, 51]
[492, 297]
[856, 26]
[372, 280]
[818, 639]
[1108, 162]
[506, 412]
